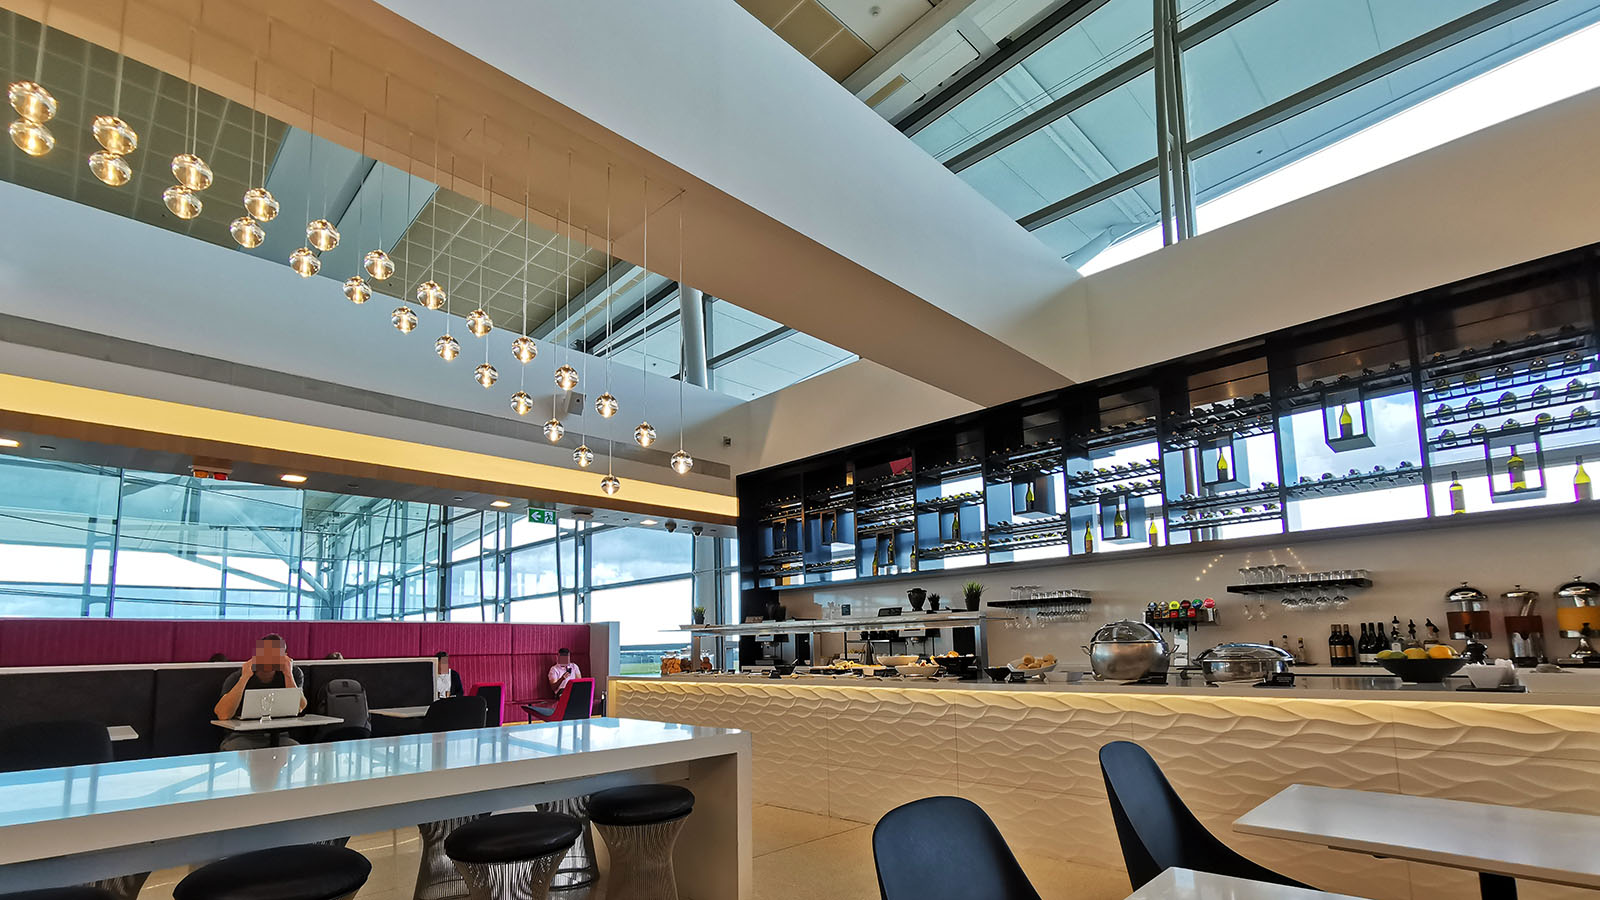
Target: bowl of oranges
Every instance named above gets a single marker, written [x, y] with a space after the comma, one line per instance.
[1418, 665]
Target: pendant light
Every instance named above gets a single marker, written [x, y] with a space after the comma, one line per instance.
[356, 289]
[115, 136]
[34, 104]
[645, 434]
[402, 317]
[304, 260]
[610, 485]
[583, 456]
[606, 404]
[554, 430]
[246, 232]
[681, 462]
[190, 170]
[376, 262]
[485, 375]
[521, 403]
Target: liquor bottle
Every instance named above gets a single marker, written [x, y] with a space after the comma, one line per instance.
[1289, 647]
[1458, 495]
[1155, 537]
[1433, 634]
[1379, 642]
[955, 526]
[1411, 629]
[1222, 466]
[1088, 536]
[1349, 647]
[1028, 500]
[1582, 487]
[1515, 471]
[1347, 425]
[1395, 641]
[1301, 654]
[1119, 525]
[1335, 648]
[877, 551]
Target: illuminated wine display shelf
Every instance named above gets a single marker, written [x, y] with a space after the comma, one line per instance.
[1472, 397]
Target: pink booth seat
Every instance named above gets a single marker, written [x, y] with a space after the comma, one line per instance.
[476, 670]
[196, 641]
[466, 638]
[366, 640]
[85, 642]
[549, 638]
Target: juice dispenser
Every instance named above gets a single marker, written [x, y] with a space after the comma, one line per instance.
[1579, 612]
[1524, 629]
[1467, 610]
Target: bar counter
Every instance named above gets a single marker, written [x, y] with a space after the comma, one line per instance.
[853, 748]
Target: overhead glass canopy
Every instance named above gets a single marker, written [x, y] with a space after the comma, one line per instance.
[1059, 129]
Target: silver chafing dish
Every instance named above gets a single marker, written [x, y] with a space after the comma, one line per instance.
[1127, 651]
[1244, 662]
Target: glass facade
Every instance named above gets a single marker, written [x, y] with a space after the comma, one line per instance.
[83, 540]
[1272, 100]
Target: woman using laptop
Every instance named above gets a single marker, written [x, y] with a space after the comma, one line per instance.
[270, 667]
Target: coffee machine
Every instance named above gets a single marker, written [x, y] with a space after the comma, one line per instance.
[1524, 630]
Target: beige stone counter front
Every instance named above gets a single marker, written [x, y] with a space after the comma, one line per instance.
[854, 751]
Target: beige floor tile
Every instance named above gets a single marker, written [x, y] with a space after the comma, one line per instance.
[779, 829]
[838, 867]
[1058, 879]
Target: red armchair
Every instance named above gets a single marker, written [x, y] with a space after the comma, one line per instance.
[576, 702]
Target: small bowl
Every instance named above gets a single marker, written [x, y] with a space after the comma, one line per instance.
[1069, 677]
[897, 661]
[1016, 667]
[957, 665]
[1424, 671]
[998, 674]
[917, 671]
[1489, 677]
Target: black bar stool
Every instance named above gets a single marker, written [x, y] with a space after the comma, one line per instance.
[578, 868]
[81, 892]
[299, 872]
[640, 825]
[512, 856]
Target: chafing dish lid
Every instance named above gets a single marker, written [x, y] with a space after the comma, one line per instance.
[1125, 632]
[1234, 650]
[1466, 593]
[1578, 589]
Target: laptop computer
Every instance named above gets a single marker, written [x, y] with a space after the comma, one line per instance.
[276, 703]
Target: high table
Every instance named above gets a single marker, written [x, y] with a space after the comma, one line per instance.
[277, 725]
[122, 733]
[1187, 884]
[1500, 843]
[72, 825]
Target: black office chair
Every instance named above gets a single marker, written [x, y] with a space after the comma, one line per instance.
[454, 714]
[1157, 831]
[345, 733]
[85, 892]
[50, 745]
[961, 855]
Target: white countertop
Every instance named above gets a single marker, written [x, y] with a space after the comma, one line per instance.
[1503, 840]
[401, 712]
[122, 733]
[1187, 884]
[49, 812]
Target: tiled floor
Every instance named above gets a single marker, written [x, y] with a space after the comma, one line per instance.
[796, 855]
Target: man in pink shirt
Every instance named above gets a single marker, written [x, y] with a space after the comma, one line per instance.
[562, 673]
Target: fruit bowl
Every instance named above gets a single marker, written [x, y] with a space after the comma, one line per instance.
[1424, 671]
[917, 671]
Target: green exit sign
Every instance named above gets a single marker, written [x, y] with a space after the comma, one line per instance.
[542, 516]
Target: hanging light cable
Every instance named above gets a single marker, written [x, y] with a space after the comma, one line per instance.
[429, 293]
[447, 347]
[377, 262]
[606, 404]
[566, 375]
[116, 137]
[246, 230]
[403, 317]
[320, 233]
[682, 462]
[479, 323]
[258, 201]
[304, 260]
[523, 349]
[645, 434]
[33, 104]
[192, 173]
[356, 289]
[485, 374]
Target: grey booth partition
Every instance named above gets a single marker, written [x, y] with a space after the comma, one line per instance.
[112, 696]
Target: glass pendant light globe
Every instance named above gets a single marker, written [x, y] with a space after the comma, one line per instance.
[403, 319]
[321, 234]
[554, 430]
[246, 233]
[479, 323]
[485, 375]
[304, 262]
[115, 135]
[110, 168]
[524, 349]
[32, 101]
[356, 289]
[566, 377]
[378, 265]
[606, 405]
[610, 485]
[645, 434]
[682, 462]
[431, 295]
[447, 347]
[583, 456]
[184, 203]
[191, 171]
[32, 138]
[260, 204]
[521, 402]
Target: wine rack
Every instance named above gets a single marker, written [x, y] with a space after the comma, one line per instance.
[1400, 401]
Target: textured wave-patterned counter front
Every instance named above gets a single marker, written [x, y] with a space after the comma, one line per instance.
[1029, 758]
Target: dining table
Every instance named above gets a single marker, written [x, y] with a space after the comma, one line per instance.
[1188, 884]
[1500, 843]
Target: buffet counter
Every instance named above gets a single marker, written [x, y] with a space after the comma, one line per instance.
[854, 747]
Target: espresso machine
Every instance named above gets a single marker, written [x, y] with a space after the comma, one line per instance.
[1524, 630]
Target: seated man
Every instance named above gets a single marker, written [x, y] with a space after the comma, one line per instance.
[446, 681]
[561, 675]
[269, 667]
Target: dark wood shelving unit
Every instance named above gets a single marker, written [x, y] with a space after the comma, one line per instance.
[1183, 452]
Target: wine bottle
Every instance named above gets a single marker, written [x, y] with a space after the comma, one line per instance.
[1364, 645]
[1028, 500]
[1349, 647]
[1335, 649]
[877, 551]
[1458, 495]
[1155, 537]
[1582, 487]
[1088, 536]
[1347, 424]
[955, 525]
[1515, 471]
[913, 563]
[1119, 525]
[1222, 466]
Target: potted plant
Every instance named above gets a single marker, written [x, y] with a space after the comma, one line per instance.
[699, 613]
[933, 602]
[972, 591]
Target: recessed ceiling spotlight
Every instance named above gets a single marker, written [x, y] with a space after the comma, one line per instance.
[499, 504]
[292, 478]
[10, 442]
[648, 522]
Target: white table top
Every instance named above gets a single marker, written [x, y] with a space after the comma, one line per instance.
[401, 712]
[1504, 840]
[51, 812]
[277, 724]
[122, 732]
[1187, 884]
